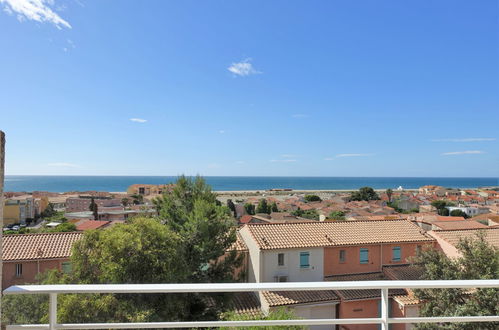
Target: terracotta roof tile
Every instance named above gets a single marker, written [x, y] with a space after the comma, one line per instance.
[38, 246]
[337, 233]
[282, 298]
[405, 272]
[91, 224]
[457, 225]
[453, 236]
[246, 303]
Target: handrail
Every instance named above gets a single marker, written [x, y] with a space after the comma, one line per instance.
[384, 320]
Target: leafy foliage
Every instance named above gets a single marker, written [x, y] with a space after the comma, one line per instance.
[249, 208]
[94, 208]
[312, 198]
[364, 194]
[279, 314]
[308, 214]
[337, 215]
[458, 213]
[479, 260]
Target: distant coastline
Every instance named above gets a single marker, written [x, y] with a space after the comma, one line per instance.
[237, 183]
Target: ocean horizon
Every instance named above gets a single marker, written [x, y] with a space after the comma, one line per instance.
[63, 183]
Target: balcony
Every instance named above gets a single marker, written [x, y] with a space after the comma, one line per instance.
[384, 320]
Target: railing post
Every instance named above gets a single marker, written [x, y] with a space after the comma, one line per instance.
[384, 309]
[52, 311]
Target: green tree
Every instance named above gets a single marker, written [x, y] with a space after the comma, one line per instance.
[263, 206]
[249, 208]
[308, 214]
[207, 231]
[125, 202]
[279, 314]
[94, 208]
[49, 211]
[137, 199]
[458, 213]
[312, 198]
[364, 194]
[63, 227]
[478, 260]
[232, 207]
[389, 193]
[337, 215]
[273, 207]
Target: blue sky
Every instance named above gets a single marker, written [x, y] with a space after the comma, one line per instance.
[306, 88]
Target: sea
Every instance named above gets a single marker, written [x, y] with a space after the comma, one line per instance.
[30, 183]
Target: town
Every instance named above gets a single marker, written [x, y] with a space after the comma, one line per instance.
[282, 236]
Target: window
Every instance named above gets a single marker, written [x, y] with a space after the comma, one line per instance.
[418, 250]
[343, 255]
[66, 267]
[19, 270]
[364, 256]
[304, 259]
[280, 259]
[396, 253]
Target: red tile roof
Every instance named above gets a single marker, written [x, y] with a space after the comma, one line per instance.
[38, 246]
[337, 233]
[91, 224]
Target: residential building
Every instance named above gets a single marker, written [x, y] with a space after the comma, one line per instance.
[27, 255]
[316, 251]
[82, 203]
[148, 189]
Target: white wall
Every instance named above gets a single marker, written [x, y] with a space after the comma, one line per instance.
[254, 255]
[291, 268]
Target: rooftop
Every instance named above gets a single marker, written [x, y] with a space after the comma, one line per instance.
[38, 246]
[338, 233]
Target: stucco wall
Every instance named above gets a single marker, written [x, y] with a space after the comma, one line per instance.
[319, 311]
[291, 267]
[254, 255]
[333, 266]
[30, 271]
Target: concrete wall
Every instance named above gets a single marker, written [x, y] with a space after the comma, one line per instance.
[378, 255]
[291, 267]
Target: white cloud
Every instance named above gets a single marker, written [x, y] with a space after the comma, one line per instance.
[288, 156]
[354, 155]
[35, 10]
[221, 131]
[467, 152]
[283, 160]
[328, 158]
[243, 68]
[299, 115]
[138, 120]
[63, 165]
[240, 162]
[464, 140]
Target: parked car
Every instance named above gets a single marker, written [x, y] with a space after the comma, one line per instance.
[16, 228]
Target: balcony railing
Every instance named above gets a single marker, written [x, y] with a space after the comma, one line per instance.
[384, 320]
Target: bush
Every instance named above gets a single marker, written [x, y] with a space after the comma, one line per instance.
[312, 198]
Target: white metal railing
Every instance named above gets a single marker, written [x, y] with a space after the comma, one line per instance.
[384, 319]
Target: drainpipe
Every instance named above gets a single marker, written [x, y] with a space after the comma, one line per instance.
[2, 174]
